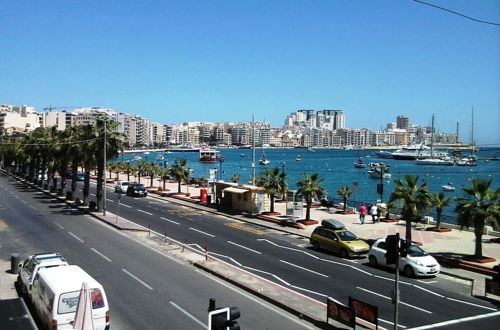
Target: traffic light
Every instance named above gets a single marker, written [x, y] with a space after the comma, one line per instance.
[392, 242]
[224, 319]
[405, 246]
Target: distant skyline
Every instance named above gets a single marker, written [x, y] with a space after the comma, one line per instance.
[177, 61]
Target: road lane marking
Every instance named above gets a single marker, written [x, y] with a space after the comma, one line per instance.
[78, 238]
[144, 212]
[172, 221]
[399, 324]
[303, 268]
[109, 200]
[244, 247]
[469, 303]
[102, 255]
[91, 194]
[427, 282]
[137, 279]
[202, 232]
[58, 225]
[188, 315]
[126, 205]
[464, 319]
[401, 302]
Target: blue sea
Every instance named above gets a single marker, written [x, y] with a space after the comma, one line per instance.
[336, 167]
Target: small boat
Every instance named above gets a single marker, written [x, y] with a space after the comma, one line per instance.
[242, 155]
[298, 159]
[379, 171]
[160, 157]
[209, 155]
[263, 160]
[168, 152]
[146, 152]
[436, 161]
[359, 163]
[137, 158]
[447, 187]
[310, 149]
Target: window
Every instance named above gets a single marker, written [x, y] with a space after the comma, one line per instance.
[382, 245]
[347, 236]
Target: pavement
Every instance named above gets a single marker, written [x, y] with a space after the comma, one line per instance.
[451, 245]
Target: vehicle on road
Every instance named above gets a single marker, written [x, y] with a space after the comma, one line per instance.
[333, 236]
[79, 176]
[416, 263]
[136, 189]
[55, 296]
[30, 267]
[121, 186]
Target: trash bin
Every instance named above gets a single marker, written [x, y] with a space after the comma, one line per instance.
[203, 195]
[14, 263]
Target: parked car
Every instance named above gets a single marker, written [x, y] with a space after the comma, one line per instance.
[79, 176]
[56, 293]
[30, 267]
[333, 236]
[121, 186]
[136, 189]
[416, 263]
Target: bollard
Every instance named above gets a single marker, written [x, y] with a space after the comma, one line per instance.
[184, 245]
[149, 230]
[14, 263]
[206, 253]
[165, 237]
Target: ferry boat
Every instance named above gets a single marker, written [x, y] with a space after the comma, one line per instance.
[209, 155]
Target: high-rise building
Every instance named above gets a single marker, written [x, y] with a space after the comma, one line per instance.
[402, 122]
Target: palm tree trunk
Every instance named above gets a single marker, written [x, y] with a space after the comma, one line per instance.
[86, 186]
[101, 183]
[179, 186]
[74, 172]
[272, 202]
[128, 175]
[151, 183]
[308, 210]
[438, 224]
[345, 204]
[408, 229]
[478, 250]
[164, 183]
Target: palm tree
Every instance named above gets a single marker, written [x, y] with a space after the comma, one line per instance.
[152, 170]
[480, 206]
[127, 168]
[413, 199]
[142, 169]
[235, 178]
[164, 175]
[439, 202]
[179, 171]
[272, 181]
[310, 187]
[345, 192]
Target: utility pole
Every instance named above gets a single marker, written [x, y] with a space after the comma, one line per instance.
[104, 177]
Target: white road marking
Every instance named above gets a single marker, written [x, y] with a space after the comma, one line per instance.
[102, 255]
[399, 325]
[303, 268]
[464, 319]
[469, 303]
[188, 315]
[172, 221]
[144, 212]
[110, 200]
[202, 232]
[126, 205]
[244, 247]
[78, 238]
[137, 279]
[427, 282]
[58, 225]
[401, 302]
[91, 194]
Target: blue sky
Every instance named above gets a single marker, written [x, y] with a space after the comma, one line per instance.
[176, 61]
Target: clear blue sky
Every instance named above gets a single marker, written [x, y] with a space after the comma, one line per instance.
[176, 61]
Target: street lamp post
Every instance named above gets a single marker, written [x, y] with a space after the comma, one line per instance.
[104, 176]
[221, 160]
[283, 167]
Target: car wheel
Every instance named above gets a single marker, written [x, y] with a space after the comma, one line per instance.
[373, 261]
[343, 253]
[316, 246]
[408, 271]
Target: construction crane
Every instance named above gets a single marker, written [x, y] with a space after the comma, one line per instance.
[50, 108]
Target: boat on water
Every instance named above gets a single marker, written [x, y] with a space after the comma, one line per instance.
[160, 157]
[445, 161]
[416, 151]
[245, 146]
[209, 155]
[359, 163]
[137, 158]
[263, 160]
[379, 171]
[384, 154]
[309, 149]
[448, 187]
[168, 152]
[298, 159]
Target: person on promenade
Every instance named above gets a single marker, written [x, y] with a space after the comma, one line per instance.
[374, 213]
[362, 213]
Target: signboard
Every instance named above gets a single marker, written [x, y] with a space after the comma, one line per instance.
[492, 286]
[364, 310]
[340, 313]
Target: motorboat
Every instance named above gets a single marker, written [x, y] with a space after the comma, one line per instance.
[448, 187]
[379, 171]
[359, 163]
[383, 154]
[137, 158]
[263, 160]
[447, 161]
[160, 157]
[298, 159]
[209, 155]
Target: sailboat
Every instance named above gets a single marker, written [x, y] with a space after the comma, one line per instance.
[359, 163]
[443, 161]
[263, 159]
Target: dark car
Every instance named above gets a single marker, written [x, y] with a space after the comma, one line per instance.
[136, 189]
[79, 176]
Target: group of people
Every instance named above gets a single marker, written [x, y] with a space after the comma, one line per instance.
[374, 212]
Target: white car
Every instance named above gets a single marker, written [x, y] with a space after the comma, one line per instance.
[416, 263]
[121, 186]
[32, 265]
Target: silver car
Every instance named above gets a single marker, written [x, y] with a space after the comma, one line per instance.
[122, 186]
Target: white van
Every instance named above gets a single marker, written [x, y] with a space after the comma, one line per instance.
[55, 297]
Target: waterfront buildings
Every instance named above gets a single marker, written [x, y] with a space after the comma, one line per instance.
[302, 128]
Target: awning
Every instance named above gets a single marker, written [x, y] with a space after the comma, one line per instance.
[235, 190]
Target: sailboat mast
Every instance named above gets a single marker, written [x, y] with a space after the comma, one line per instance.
[253, 151]
[472, 132]
[432, 135]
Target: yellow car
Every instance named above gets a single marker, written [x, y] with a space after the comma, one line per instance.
[339, 241]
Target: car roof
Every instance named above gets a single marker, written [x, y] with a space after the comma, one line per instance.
[69, 278]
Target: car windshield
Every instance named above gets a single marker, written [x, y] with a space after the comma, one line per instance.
[138, 186]
[347, 236]
[415, 251]
[125, 183]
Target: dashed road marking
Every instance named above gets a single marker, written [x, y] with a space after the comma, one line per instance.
[137, 279]
[188, 315]
[78, 238]
[202, 232]
[172, 221]
[102, 255]
[144, 212]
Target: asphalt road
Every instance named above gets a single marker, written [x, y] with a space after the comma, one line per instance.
[146, 290]
[291, 262]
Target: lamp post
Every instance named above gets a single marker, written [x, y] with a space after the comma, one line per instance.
[283, 167]
[221, 160]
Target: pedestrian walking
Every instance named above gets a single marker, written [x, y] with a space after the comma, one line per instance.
[362, 213]
[373, 213]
